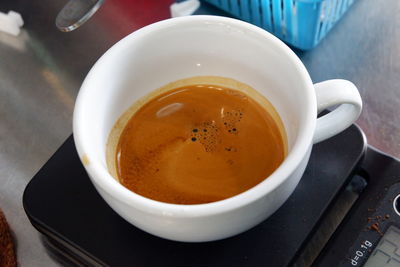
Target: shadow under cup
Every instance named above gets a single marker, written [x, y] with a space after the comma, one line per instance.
[177, 49]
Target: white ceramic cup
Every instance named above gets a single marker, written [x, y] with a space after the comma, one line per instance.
[199, 46]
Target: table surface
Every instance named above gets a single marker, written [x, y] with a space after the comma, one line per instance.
[41, 71]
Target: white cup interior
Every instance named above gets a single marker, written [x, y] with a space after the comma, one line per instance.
[187, 47]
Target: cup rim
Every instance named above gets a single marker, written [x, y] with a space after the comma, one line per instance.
[101, 177]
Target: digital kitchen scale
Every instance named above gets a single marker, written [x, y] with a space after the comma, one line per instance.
[342, 213]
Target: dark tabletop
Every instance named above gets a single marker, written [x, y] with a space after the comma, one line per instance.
[364, 48]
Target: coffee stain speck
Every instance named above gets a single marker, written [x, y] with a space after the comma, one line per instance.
[85, 160]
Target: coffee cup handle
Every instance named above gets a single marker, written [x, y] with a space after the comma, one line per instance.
[336, 92]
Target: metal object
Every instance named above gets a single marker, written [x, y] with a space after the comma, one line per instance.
[75, 13]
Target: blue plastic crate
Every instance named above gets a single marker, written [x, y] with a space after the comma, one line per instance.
[301, 23]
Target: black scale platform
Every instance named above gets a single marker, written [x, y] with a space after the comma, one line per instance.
[80, 228]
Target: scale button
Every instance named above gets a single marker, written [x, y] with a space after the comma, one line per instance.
[396, 204]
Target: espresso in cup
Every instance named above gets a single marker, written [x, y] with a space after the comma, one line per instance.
[195, 46]
[196, 141]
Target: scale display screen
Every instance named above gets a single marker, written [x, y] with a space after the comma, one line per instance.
[387, 252]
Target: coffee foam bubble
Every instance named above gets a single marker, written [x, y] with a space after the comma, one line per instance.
[207, 134]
